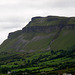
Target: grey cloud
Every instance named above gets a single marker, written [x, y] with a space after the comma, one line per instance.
[14, 20]
[33, 4]
[10, 25]
[65, 3]
[10, 2]
[50, 3]
[30, 6]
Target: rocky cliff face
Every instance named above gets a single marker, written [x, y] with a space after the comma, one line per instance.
[47, 28]
[46, 24]
[42, 33]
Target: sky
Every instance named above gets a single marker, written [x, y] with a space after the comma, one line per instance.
[15, 14]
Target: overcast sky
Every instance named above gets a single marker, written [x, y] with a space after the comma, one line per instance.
[15, 14]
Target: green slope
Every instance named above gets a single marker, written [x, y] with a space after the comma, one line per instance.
[40, 51]
[65, 40]
[48, 21]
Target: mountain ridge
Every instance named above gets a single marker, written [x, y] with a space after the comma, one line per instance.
[30, 32]
[46, 43]
[35, 28]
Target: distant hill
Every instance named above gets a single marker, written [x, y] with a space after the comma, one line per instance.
[44, 40]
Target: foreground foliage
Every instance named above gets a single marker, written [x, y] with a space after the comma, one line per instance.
[50, 62]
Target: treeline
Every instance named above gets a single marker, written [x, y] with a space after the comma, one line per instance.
[34, 62]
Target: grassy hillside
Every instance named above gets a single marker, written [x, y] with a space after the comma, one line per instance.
[40, 53]
[65, 40]
[47, 21]
[71, 20]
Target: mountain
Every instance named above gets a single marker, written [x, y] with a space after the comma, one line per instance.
[45, 44]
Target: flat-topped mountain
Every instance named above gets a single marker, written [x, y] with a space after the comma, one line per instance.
[40, 29]
[41, 36]
[48, 24]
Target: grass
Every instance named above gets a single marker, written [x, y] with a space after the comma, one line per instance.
[71, 21]
[23, 69]
[49, 21]
[57, 61]
[38, 45]
[42, 66]
[45, 23]
[47, 69]
[65, 40]
[7, 45]
[9, 66]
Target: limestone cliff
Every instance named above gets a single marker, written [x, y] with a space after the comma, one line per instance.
[42, 33]
[47, 24]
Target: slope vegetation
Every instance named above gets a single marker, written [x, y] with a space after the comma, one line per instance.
[45, 44]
